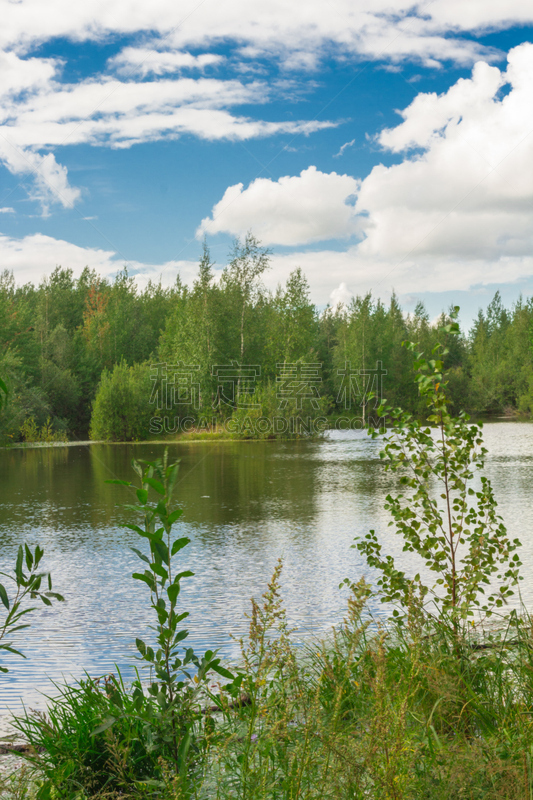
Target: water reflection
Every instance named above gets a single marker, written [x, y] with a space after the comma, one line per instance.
[245, 503]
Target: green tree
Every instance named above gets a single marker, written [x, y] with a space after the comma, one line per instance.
[121, 408]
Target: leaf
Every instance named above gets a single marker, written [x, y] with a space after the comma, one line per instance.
[159, 488]
[104, 726]
[221, 671]
[173, 592]
[141, 555]
[175, 515]
[179, 544]
[119, 483]
[160, 549]
[159, 570]
[3, 596]
[135, 528]
[141, 647]
[186, 574]
[146, 578]
[29, 556]
[142, 496]
[18, 566]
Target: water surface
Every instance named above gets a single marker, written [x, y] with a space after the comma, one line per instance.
[245, 505]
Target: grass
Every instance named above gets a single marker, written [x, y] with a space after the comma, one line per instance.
[386, 713]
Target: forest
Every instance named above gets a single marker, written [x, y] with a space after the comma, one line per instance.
[90, 357]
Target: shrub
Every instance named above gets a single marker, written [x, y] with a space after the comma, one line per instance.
[121, 409]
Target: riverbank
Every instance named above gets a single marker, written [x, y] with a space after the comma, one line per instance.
[405, 713]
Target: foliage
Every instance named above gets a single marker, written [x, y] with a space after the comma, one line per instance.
[447, 518]
[59, 337]
[30, 432]
[27, 584]
[266, 419]
[121, 408]
[171, 707]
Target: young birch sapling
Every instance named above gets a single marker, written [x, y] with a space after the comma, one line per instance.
[455, 530]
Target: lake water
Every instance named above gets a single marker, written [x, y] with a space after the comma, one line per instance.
[245, 504]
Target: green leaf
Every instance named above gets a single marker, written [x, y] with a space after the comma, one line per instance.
[104, 726]
[160, 549]
[29, 557]
[175, 515]
[178, 544]
[159, 570]
[141, 647]
[222, 671]
[141, 555]
[173, 592]
[18, 566]
[156, 485]
[119, 483]
[3, 596]
[142, 496]
[135, 528]
[146, 578]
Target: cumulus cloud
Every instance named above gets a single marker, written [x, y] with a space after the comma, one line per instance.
[290, 211]
[457, 212]
[340, 296]
[467, 191]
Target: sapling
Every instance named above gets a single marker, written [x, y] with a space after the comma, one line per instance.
[455, 530]
[172, 710]
[26, 584]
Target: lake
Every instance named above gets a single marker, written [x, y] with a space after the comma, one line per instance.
[245, 505]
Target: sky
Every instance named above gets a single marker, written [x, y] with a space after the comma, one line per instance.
[380, 146]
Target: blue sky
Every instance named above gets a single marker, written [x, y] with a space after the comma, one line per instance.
[379, 146]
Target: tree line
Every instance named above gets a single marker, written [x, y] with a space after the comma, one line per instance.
[85, 356]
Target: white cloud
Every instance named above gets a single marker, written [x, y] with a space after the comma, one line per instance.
[340, 296]
[290, 211]
[145, 61]
[38, 111]
[51, 183]
[18, 74]
[110, 111]
[34, 257]
[331, 272]
[119, 114]
[7, 210]
[469, 193]
[456, 213]
[343, 147]
[296, 32]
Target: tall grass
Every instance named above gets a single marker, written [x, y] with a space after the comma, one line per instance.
[386, 712]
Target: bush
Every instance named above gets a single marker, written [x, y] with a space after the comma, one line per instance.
[269, 421]
[121, 410]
